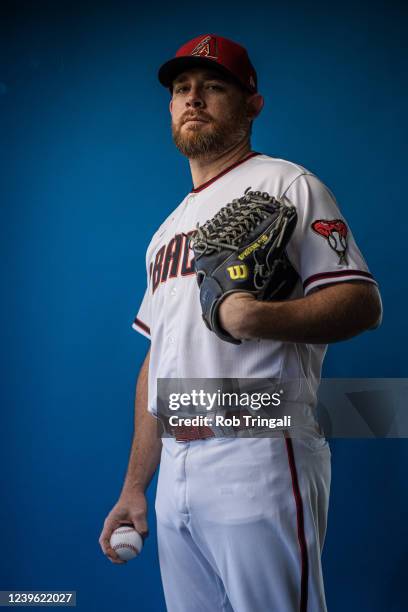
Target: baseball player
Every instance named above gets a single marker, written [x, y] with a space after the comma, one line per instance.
[241, 521]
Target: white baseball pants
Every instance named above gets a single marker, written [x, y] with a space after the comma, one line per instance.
[241, 524]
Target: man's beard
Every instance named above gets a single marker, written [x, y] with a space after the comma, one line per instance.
[204, 142]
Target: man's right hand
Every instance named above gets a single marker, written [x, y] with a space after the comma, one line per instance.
[131, 508]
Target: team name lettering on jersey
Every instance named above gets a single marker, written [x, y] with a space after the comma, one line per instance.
[172, 259]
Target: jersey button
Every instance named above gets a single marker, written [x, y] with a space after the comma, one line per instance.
[171, 340]
[173, 291]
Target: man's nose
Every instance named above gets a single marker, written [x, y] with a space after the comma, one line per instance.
[194, 99]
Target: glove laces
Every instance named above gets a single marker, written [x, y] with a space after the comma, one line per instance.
[236, 220]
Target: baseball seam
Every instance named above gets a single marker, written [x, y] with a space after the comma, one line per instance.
[124, 545]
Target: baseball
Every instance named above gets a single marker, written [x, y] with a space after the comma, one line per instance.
[127, 542]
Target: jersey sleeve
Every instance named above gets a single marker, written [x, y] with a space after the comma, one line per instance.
[142, 321]
[322, 248]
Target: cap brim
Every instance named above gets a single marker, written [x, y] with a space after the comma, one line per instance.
[171, 69]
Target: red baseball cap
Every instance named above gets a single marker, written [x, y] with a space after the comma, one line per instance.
[212, 51]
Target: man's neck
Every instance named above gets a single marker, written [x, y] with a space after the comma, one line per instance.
[203, 170]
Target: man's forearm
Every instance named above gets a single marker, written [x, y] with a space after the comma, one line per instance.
[334, 313]
[146, 445]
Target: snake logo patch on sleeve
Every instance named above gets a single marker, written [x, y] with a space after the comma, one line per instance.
[335, 232]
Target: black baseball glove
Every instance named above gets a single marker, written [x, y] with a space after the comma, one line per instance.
[242, 248]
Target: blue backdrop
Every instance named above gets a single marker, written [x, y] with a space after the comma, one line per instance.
[88, 172]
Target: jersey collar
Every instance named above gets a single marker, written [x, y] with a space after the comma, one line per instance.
[228, 169]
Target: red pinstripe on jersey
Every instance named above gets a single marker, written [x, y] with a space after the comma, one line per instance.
[334, 275]
[142, 325]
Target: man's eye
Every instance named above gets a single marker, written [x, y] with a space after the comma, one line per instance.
[183, 88]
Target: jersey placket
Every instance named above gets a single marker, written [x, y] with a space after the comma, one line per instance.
[173, 301]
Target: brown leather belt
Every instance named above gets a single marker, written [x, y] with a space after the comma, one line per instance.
[188, 433]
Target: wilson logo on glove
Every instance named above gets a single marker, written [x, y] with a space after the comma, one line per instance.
[237, 272]
[256, 227]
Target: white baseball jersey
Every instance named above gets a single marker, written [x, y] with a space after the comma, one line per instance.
[241, 522]
[322, 250]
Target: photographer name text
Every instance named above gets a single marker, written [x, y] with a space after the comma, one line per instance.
[219, 420]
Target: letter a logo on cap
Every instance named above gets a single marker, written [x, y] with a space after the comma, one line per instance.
[207, 47]
[210, 49]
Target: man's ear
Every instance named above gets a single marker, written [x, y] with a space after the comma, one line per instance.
[255, 104]
[171, 106]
